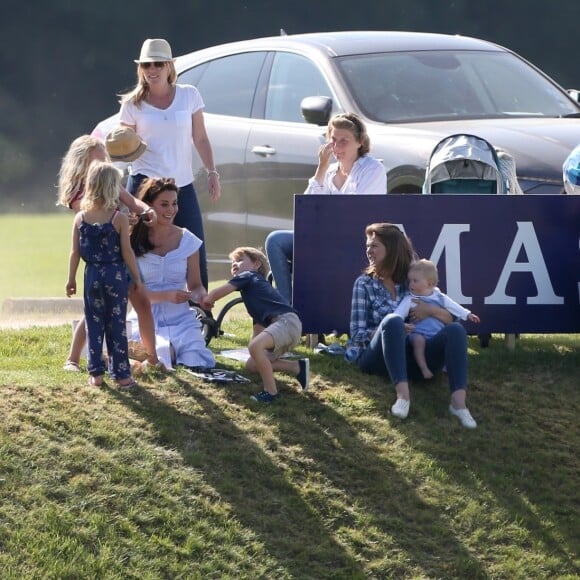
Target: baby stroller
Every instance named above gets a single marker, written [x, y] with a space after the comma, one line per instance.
[464, 163]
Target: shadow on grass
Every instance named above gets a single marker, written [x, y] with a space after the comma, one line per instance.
[257, 491]
[523, 455]
[384, 507]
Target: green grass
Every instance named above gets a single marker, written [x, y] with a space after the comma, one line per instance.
[34, 252]
[185, 479]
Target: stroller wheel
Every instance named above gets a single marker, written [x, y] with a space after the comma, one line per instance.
[229, 317]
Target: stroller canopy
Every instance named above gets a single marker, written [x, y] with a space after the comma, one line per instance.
[464, 164]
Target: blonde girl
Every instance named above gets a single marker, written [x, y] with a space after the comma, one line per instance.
[100, 236]
[82, 152]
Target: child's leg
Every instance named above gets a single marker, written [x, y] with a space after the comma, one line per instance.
[95, 334]
[142, 307]
[418, 343]
[259, 361]
[78, 341]
[116, 335]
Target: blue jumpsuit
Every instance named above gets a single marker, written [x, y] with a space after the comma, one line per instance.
[106, 289]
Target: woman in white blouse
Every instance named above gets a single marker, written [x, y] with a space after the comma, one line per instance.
[355, 171]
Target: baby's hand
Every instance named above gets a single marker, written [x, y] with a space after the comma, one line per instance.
[409, 328]
[473, 317]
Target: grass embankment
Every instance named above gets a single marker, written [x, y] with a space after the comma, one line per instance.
[185, 479]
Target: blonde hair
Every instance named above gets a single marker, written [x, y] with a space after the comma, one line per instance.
[74, 167]
[139, 93]
[102, 187]
[353, 123]
[255, 255]
[427, 269]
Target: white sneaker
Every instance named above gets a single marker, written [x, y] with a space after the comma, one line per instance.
[464, 416]
[401, 408]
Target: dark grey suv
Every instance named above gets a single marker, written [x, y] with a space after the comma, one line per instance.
[268, 101]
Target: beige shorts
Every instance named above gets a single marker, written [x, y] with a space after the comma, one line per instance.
[286, 331]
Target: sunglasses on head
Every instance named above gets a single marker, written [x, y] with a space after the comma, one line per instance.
[155, 64]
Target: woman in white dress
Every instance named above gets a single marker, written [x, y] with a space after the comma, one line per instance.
[168, 259]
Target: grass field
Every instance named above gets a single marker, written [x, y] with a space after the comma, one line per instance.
[34, 252]
[186, 479]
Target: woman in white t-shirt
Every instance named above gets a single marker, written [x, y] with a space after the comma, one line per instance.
[168, 117]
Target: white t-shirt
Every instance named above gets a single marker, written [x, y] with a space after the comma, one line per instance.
[167, 133]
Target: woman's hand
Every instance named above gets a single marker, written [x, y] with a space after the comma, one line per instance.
[198, 295]
[419, 311]
[423, 310]
[149, 217]
[324, 155]
[214, 185]
[178, 296]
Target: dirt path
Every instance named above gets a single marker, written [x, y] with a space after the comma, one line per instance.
[27, 312]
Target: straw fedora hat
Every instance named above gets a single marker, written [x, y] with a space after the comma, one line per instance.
[155, 50]
[123, 144]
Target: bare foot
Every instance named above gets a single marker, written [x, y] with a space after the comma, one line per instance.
[96, 381]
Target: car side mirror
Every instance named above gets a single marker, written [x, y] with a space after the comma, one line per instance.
[575, 94]
[316, 110]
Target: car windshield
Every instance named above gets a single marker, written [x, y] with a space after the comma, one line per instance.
[437, 85]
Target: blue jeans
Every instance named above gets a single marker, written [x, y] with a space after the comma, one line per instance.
[188, 216]
[390, 353]
[280, 253]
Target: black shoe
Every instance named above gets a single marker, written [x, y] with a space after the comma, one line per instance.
[304, 373]
[264, 397]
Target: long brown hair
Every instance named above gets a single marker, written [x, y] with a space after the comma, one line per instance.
[148, 192]
[399, 256]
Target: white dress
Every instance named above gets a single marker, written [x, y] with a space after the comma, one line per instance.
[175, 324]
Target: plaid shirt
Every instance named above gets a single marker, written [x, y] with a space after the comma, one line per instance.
[371, 302]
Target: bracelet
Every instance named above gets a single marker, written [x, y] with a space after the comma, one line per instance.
[213, 172]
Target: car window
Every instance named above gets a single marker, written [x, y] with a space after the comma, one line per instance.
[292, 78]
[192, 75]
[441, 85]
[227, 85]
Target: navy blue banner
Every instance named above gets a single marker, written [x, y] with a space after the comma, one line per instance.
[512, 260]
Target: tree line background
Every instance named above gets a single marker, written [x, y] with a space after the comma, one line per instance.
[64, 61]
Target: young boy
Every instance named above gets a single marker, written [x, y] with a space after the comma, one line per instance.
[423, 279]
[277, 328]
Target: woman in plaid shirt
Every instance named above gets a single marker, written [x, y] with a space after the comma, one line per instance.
[378, 338]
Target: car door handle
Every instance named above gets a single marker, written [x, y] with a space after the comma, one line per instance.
[263, 150]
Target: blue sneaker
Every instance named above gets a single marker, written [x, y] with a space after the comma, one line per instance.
[304, 373]
[264, 397]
